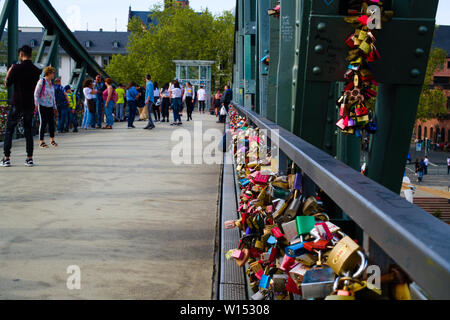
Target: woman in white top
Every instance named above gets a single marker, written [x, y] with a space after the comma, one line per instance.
[44, 99]
[175, 93]
[89, 105]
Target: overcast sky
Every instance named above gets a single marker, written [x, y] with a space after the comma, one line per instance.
[96, 14]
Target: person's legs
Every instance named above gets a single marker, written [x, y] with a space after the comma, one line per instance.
[28, 131]
[121, 112]
[51, 124]
[11, 123]
[178, 102]
[85, 118]
[150, 123]
[73, 120]
[43, 117]
[109, 114]
[131, 112]
[99, 112]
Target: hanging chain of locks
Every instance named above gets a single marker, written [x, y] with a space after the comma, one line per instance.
[355, 110]
[290, 247]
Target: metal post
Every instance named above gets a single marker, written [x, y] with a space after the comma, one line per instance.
[13, 36]
[285, 63]
[263, 47]
[274, 27]
[4, 16]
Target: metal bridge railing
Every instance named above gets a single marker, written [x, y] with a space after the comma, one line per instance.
[414, 239]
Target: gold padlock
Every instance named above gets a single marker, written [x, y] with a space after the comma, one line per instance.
[255, 267]
[311, 207]
[344, 256]
[259, 245]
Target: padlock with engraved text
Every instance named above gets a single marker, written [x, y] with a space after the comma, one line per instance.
[346, 256]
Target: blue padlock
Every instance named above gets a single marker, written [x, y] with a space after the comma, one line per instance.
[244, 182]
[295, 250]
[271, 241]
[264, 282]
[248, 231]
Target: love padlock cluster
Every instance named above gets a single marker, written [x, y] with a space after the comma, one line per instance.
[356, 114]
[290, 247]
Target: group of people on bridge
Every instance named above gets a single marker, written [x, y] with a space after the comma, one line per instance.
[47, 98]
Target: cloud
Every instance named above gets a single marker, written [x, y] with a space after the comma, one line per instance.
[73, 21]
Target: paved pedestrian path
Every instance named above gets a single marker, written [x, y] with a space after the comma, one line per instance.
[113, 203]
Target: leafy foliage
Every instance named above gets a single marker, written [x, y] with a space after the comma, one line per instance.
[181, 34]
[432, 102]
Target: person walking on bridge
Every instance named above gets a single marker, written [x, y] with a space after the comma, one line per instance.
[110, 98]
[201, 96]
[72, 119]
[188, 98]
[99, 87]
[89, 105]
[157, 104]
[176, 103]
[132, 96]
[149, 100]
[44, 97]
[120, 113]
[165, 102]
[23, 77]
[62, 104]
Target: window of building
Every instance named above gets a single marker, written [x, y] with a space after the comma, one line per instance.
[442, 135]
[448, 103]
[431, 134]
[441, 80]
[425, 133]
[448, 64]
[33, 43]
[116, 44]
[419, 133]
[88, 44]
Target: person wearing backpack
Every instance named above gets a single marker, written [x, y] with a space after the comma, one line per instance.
[110, 96]
[44, 97]
[72, 119]
[62, 104]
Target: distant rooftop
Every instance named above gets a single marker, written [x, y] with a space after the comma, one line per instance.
[95, 42]
[442, 38]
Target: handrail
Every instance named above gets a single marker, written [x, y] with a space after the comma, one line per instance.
[414, 239]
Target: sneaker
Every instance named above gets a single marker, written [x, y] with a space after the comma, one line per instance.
[179, 123]
[75, 130]
[29, 162]
[5, 163]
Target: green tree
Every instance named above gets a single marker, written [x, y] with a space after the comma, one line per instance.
[181, 34]
[432, 101]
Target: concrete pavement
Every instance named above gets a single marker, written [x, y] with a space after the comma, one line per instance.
[112, 203]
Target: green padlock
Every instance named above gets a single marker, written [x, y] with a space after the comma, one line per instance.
[305, 224]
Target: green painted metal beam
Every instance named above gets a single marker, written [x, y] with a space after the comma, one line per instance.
[13, 36]
[50, 19]
[4, 16]
[397, 102]
[263, 37]
[285, 64]
[274, 47]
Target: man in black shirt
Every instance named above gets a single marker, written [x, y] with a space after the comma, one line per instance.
[23, 77]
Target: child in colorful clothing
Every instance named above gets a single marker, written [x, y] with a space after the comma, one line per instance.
[72, 119]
